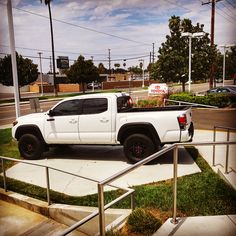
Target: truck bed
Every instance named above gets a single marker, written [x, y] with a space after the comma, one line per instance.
[150, 109]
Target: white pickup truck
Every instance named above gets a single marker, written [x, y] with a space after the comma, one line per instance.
[103, 119]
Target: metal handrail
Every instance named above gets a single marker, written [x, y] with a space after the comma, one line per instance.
[174, 147]
[107, 181]
[188, 103]
[47, 168]
[228, 129]
[129, 191]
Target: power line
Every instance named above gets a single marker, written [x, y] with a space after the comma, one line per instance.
[82, 27]
[79, 53]
[226, 13]
[230, 3]
[229, 20]
[229, 9]
[103, 60]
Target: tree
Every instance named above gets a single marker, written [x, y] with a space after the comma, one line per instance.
[27, 71]
[117, 65]
[82, 71]
[135, 70]
[102, 69]
[47, 2]
[230, 63]
[172, 64]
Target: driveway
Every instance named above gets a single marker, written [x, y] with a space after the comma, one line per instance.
[97, 163]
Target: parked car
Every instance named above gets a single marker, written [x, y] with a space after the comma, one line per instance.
[219, 80]
[227, 90]
[105, 119]
[94, 85]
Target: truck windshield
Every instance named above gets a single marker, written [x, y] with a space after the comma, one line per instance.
[124, 103]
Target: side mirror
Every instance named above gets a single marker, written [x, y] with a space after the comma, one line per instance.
[51, 113]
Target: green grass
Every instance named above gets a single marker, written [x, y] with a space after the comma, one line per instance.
[203, 193]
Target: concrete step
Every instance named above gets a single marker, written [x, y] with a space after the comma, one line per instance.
[229, 177]
[16, 220]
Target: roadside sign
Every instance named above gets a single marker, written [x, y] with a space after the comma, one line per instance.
[63, 62]
[158, 89]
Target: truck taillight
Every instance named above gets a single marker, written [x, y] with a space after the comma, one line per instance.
[182, 119]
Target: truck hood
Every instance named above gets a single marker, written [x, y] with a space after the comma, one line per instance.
[32, 116]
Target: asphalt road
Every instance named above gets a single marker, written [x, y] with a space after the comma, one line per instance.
[203, 118]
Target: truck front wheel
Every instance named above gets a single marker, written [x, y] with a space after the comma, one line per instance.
[30, 147]
[138, 147]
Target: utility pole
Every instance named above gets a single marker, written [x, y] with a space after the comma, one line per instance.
[13, 58]
[109, 60]
[153, 52]
[50, 65]
[53, 51]
[150, 58]
[41, 74]
[142, 62]
[212, 70]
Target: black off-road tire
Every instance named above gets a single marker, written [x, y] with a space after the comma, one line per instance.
[137, 147]
[30, 147]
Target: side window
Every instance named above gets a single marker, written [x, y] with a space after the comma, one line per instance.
[225, 90]
[124, 103]
[67, 108]
[94, 106]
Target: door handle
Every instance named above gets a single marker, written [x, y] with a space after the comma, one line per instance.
[73, 121]
[104, 120]
[50, 119]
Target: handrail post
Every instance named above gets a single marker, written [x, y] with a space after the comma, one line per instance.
[132, 201]
[101, 210]
[174, 219]
[4, 176]
[48, 184]
[227, 154]
[214, 147]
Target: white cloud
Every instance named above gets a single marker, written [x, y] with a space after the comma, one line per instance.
[138, 20]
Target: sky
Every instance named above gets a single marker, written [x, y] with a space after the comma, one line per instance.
[129, 28]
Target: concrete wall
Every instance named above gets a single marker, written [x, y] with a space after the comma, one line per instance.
[69, 88]
[125, 84]
[10, 89]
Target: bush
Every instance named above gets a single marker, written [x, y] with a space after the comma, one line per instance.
[150, 102]
[218, 100]
[142, 221]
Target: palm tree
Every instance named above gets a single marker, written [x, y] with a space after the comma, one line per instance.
[47, 2]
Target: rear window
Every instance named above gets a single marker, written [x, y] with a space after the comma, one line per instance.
[94, 106]
[124, 103]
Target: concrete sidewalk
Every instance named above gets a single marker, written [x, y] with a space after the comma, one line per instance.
[98, 163]
[220, 154]
[200, 225]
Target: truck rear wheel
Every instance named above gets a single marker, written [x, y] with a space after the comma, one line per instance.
[30, 147]
[138, 147]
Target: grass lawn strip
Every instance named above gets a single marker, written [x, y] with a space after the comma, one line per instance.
[202, 193]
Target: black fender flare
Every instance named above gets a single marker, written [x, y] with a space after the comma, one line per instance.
[138, 127]
[28, 129]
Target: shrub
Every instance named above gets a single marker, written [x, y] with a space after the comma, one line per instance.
[218, 100]
[156, 101]
[142, 221]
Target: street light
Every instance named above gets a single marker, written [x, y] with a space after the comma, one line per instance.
[225, 47]
[142, 60]
[41, 74]
[190, 36]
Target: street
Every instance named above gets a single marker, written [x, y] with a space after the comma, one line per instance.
[202, 118]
